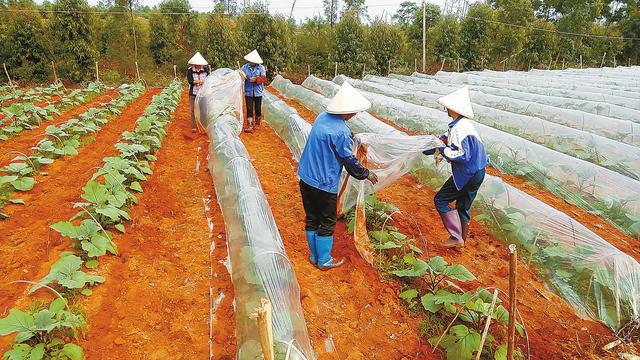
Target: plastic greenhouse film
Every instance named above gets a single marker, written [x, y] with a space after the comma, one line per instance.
[287, 124]
[260, 267]
[628, 84]
[532, 81]
[614, 155]
[606, 193]
[625, 102]
[597, 279]
[620, 73]
[620, 130]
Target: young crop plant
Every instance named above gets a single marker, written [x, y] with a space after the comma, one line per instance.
[67, 274]
[61, 141]
[43, 332]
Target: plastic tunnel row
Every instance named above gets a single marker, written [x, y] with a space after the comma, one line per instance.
[596, 278]
[591, 187]
[596, 79]
[621, 130]
[517, 79]
[260, 267]
[614, 155]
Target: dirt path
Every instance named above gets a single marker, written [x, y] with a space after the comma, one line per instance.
[554, 328]
[28, 138]
[353, 304]
[28, 245]
[155, 302]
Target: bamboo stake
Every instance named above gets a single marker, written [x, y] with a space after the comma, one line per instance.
[175, 71]
[7, 73]
[580, 61]
[458, 64]
[364, 69]
[443, 61]
[389, 68]
[614, 61]
[97, 73]
[238, 63]
[603, 56]
[308, 70]
[562, 63]
[487, 323]
[137, 71]
[265, 328]
[511, 329]
[550, 61]
[336, 71]
[415, 64]
[482, 64]
[55, 75]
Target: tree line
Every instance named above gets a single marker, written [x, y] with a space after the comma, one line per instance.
[497, 34]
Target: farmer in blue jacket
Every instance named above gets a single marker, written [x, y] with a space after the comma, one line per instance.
[255, 77]
[468, 159]
[327, 152]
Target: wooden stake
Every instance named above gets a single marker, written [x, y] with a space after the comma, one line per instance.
[55, 75]
[487, 323]
[364, 69]
[137, 71]
[97, 72]
[562, 63]
[443, 61]
[550, 61]
[424, 37]
[580, 61]
[7, 73]
[415, 65]
[458, 64]
[603, 56]
[614, 61]
[238, 63]
[389, 68]
[308, 70]
[336, 72]
[482, 64]
[511, 329]
[265, 328]
[175, 71]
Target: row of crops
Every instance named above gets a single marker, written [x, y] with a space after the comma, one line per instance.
[596, 278]
[49, 330]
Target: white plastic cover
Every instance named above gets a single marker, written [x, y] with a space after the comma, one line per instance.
[597, 279]
[260, 267]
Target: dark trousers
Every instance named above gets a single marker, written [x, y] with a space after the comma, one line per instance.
[463, 197]
[192, 110]
[320, 208]
[253, 103]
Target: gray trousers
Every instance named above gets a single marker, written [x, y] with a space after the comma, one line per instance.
[192, 110]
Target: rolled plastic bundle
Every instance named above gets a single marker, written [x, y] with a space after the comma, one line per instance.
[598, 280]
[260, 268]
[619, 157]
[620, 130]
[582, 183]
[532, 81]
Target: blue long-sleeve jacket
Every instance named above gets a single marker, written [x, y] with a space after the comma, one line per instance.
[329, 149]
[253, 89]
[465, 151]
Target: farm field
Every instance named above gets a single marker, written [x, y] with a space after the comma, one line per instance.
[139, 239]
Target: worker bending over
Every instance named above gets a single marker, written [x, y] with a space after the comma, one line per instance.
[465, 151]
[329, 149]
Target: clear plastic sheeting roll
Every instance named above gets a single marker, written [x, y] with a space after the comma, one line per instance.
[597, 279]
[286, 122]
[532, 81]
[620, 130]
[614, 155]
[601, 191]
[260, 268]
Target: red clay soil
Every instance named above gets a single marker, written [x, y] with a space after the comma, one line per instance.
[155, 301]
[28, 138]
[28, 245]
[554, 329]
[353, 304]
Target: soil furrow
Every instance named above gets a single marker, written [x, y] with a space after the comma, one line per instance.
[28, 138]
[353, 304]
[155, 302]
[555, 330]
[28, 246]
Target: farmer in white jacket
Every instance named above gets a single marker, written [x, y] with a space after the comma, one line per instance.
[465, 151]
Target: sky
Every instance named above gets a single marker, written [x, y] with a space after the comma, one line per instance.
[304, 8]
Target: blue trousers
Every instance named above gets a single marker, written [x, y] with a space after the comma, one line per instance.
[464, 197]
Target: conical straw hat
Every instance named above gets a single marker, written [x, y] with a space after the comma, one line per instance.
[459, 102]
[348, 101]
[197, 59]
[253, 57]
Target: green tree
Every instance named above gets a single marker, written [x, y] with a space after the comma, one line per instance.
[511, 33]
[406, 13]
[630, 27]
[330, 11]
[356, 7]
[349, 48]
[219, 42]
[71, 32]
[25, 45]
[314, 42]
[476, 36]
[386, 44]
[445, 40]
[541, 46]
[173, 37]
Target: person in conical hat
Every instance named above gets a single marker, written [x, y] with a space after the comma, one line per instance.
[328, 150]
[255, 76]
[196, 73]
[466, 153]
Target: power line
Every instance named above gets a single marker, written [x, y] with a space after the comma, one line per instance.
[554, 31]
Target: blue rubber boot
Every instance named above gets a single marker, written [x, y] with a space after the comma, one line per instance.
[324, 244]
[311, 240]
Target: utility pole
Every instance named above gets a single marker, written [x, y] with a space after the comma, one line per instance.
[133, 29]
[424, 37]
[293, 5]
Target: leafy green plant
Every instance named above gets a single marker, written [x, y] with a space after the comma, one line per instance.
[67, 273]
[88, 236]
[42, 333]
